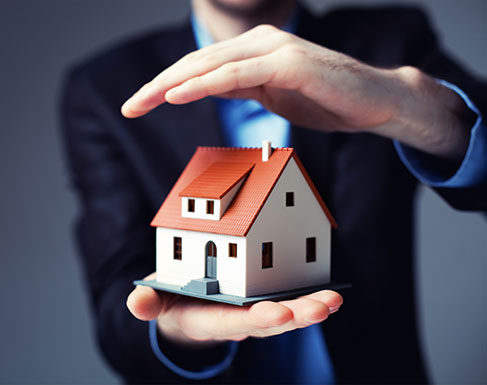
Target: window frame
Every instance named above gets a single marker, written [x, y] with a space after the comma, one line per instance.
[232, 250]
[191, 205]
[267, 255]
[177, 248]
[289, 198]
[310, 249]
[210, 207]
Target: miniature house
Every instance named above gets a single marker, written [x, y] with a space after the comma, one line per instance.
[243, 222]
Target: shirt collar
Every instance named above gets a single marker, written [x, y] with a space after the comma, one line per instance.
[203, 37]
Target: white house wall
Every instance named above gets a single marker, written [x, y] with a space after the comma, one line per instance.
[287, 228]
[230, 270]
[200, 209]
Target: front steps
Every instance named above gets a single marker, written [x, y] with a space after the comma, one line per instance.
[202, 286]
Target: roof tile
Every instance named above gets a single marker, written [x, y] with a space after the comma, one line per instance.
[217, 180]
[242, 212]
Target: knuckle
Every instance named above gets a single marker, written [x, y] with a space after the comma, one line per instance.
[293, 55]
[409, 70]
[286, 38]
[411, 73]
[265, 29]
[293, 51]
[230, 68]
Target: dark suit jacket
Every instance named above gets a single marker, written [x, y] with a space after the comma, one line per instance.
[123, 169]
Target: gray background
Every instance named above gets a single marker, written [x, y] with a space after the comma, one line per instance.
[45, 334]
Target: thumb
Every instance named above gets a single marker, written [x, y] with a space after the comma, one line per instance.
[144, 303]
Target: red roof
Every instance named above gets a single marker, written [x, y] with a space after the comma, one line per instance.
[242, 212]
[216, 180]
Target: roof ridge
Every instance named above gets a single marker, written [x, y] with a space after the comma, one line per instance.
[215, 148]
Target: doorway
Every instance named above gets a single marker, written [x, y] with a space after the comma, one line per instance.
[210, 260]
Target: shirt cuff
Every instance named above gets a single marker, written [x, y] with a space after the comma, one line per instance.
[202, 374]
[472, 170]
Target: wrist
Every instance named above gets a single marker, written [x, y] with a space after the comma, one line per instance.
[430, 117]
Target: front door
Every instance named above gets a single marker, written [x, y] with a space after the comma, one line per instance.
[210, 260]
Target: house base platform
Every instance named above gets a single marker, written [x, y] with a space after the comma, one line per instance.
[241, 301]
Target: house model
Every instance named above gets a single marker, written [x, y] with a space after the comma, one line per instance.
[243, 222]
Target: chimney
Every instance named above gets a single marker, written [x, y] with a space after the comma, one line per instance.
[266, 150]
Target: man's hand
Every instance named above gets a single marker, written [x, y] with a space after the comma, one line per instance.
[190, 320]
[317, 88]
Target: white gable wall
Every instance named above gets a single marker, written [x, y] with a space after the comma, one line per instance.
[287, 228]
[230, 271]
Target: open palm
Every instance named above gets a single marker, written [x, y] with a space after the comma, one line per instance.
[187, 319]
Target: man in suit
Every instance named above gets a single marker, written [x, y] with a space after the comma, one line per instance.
[371, 104]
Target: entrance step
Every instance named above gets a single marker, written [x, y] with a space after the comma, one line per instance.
[202, 286]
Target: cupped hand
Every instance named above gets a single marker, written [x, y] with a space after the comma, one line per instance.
[185, 319]
[301, 81]
[315, 87]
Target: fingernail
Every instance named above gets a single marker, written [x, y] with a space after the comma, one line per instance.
[334, 309]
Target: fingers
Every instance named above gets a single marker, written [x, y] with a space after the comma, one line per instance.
[203, 321]
[307, 310]
[231, 76]
[221, 322]
[199, 320]
[331, 298]
[255, 43]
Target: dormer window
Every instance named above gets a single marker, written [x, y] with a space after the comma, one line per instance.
[210, 207]
[290, 199]
[210, 194]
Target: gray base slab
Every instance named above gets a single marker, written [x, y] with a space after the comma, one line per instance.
[241, 301]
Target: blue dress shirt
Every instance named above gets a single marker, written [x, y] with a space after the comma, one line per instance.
[301, 356]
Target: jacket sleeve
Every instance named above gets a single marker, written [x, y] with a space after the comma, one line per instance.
[116, 242]
[428, 55]
[470, 171]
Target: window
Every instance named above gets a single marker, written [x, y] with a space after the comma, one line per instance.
[232, 250]
[177, 248]
[210, 207]
[311, 249]
[289, 199]
[266, 255]
[191, 205]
